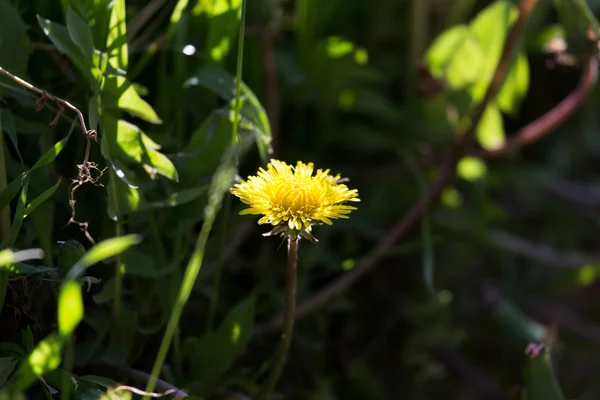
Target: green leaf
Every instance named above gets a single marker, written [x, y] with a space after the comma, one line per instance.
[70, 307]
[456, 57]
[490, 27]
[7, 126]
[26, 269]
[59, 35]
[53, 152]
[216, 351]
[80, 33]
[14, 43]
[18, 218]
[133, 144]
[101, 10]
[40, 199]
[7, 365]
[540, 383]
[514, 321]
[490, 131]
[223, 84]
[174, 200]
[44, 358]
[123, 95]
[577, 19]
[515, 86]
[116, 43]
[11, 190]
[124, 198]
[103, 250]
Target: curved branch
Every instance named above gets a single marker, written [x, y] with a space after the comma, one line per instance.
[556, 116]
[447, 174]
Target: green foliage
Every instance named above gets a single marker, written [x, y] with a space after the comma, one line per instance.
[121, 245]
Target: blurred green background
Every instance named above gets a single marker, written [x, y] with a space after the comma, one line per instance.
[372, 90]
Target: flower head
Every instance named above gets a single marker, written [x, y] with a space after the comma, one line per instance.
[293, 199]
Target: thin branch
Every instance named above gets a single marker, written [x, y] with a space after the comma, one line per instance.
[45, 95]
[447, 175]
[86, 168]
[549, 121]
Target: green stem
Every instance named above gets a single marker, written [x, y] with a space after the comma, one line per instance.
[65, 393]
[288, 323]
[238, 74]
[4, 218]
[216, 284]
[119, 266]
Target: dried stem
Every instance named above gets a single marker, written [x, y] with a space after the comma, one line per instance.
[86, 167]
[446, 176]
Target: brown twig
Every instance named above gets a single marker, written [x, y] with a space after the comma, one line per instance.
[555, 117]
[144, 377]
[448, 172]
[86, 167]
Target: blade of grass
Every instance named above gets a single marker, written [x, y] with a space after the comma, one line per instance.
[221, 182]
[214, 298]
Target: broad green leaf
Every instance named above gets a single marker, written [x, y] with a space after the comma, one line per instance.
[59, 35]
[116, 43]
[70, 307]
[80, 33]
[7, 365]
[223, 84]
[123, 96]
[490, 28]
[515, 86]
[7, 126]
[102, 251]
[490, 131]
[540, 383]
[124, 198]
[133, 144]
[40, 199]
[216, 351]
[456, 57]
[14, 42]
[44, 358]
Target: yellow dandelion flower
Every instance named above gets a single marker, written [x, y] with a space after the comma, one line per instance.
[293, 199]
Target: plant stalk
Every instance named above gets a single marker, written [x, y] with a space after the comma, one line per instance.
[288, 325]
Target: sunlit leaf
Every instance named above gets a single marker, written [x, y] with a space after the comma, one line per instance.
[515, 86]
[490, 131]
[116, 44]
[471, 168]
[70, 307]
[125, 97]
[45, 357]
